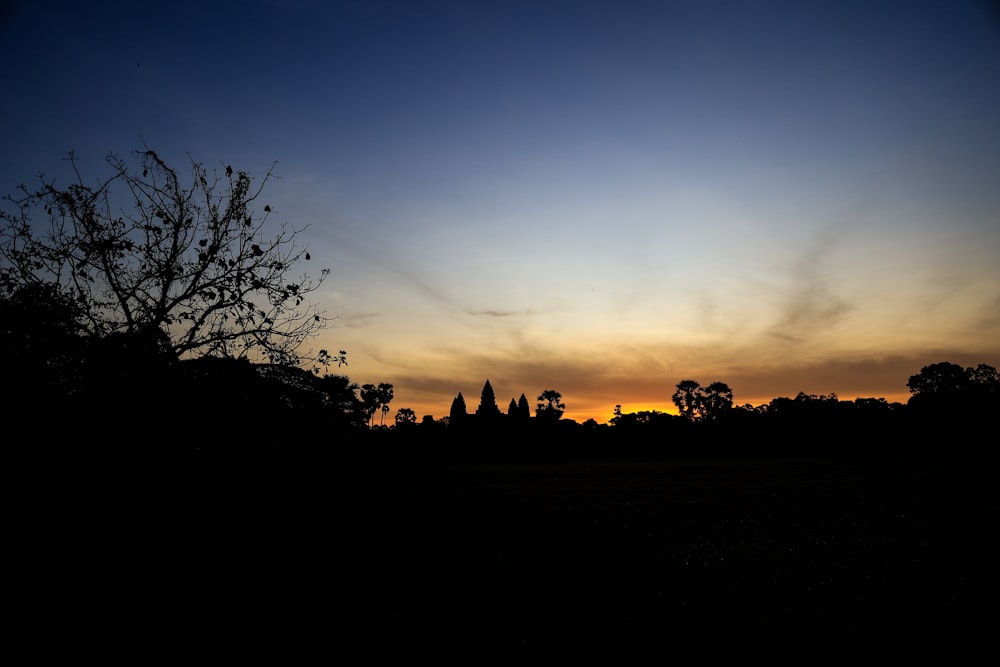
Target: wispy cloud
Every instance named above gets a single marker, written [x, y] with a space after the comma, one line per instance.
[498, 313]
[990, 321]
[357, 320]
[809, 303]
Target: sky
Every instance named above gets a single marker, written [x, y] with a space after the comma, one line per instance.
[603, 198]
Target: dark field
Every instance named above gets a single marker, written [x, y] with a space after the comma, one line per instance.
[526, 554]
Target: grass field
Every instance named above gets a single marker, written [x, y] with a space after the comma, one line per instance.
[508, 553]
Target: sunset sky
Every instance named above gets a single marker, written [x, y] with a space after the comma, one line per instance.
[598, 197]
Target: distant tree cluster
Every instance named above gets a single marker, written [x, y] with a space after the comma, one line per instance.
[376, 399]
[698, 403]
[962, 401]
[948, 398]
[948, 379]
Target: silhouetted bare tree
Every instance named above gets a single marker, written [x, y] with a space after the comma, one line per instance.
[144, 249]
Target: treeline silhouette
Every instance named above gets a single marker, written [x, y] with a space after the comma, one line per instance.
[128, 392]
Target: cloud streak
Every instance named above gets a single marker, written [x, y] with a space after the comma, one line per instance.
[809, 305]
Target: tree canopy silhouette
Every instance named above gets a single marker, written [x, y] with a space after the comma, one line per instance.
[950, 398]
[385, 394]
[550, 406]
[697, 403]
[406, 418]
[144, 250]
[948, 378]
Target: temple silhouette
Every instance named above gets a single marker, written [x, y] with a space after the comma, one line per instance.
[488, 412]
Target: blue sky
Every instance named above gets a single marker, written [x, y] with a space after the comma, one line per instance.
[603, 198]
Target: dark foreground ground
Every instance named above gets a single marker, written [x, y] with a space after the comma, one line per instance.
[522, 554]
[394, 554]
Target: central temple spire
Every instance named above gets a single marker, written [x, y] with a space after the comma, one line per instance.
[488, 402]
